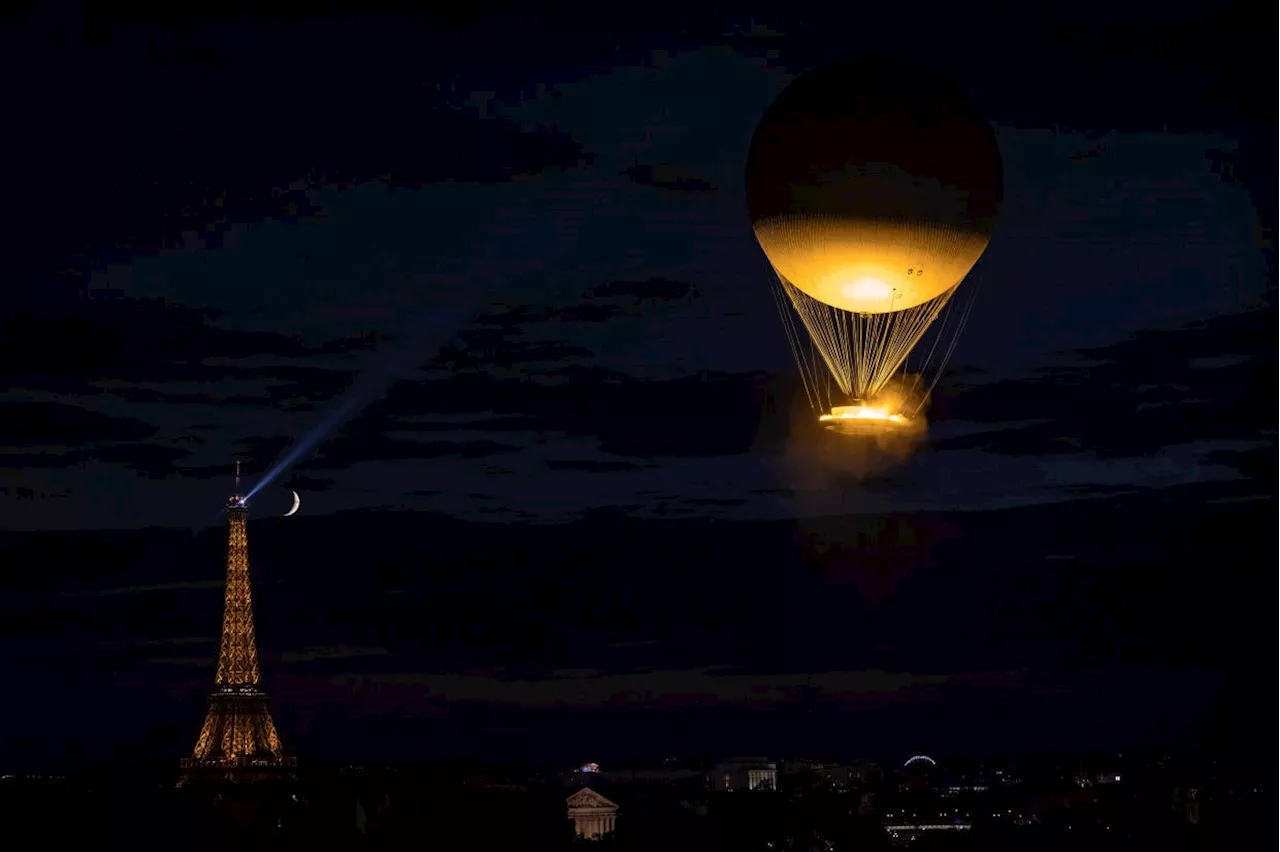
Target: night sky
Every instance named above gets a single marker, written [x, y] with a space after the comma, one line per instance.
[571, 505]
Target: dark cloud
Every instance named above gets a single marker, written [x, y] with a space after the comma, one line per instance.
[21, 461]
[259, 451]
[512, 604]
[1193, 384]
[479, 423]
[1215, 380]
[363, 342]
[256, 453]
[1098, 490]
[593, 465]
[308, 483]
[1258, 463]
[284, 387]
[1093, 152]
[668, 176]
[465, 449]
[709, 414]
[22, 621]
[348, 449]
[625, 296]
[159, 652]
[19, 492]
[1220, 38]
[150, 351]
[497, 339]
[43, 423]
[587, 312]
[651, 289]
[210, 471]
[155, 461]
[481, 349]
[146, 394]
[74, 334]
[691, 583]
[189, 173]
[510, 317]
[290, 386]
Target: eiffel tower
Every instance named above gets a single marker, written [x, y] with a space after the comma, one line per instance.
[238, 741]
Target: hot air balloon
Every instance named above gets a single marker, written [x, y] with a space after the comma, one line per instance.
[872, 187]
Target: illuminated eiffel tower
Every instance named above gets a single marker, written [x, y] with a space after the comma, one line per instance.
[238, 741]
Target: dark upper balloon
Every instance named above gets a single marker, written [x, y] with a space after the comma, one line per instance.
[874, 138]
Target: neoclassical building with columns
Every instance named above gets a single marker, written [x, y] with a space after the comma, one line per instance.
[593, 815]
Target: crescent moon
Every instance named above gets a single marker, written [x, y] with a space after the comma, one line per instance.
[297, 501]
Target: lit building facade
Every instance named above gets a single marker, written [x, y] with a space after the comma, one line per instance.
[745, 773]
[593, 815]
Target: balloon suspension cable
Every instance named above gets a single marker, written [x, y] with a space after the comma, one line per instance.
[863, 352]
[810, 377]
[951, 343]
[920, 370]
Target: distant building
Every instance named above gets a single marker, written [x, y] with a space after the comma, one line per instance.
[591, 775]
[657, 775]
[866, 772]
[593, 815]
[745, 773]
[586, 775]
[829, 775]
[798, 766]
[1096, 777]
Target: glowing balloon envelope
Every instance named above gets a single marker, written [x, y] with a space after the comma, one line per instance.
[872, 187]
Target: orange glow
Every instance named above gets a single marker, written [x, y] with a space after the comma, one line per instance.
[862, 418]
[869, 267]
[238, 732]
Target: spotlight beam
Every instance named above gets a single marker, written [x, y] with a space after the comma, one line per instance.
[424, 338]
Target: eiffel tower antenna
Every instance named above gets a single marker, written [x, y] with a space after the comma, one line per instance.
[238, 741]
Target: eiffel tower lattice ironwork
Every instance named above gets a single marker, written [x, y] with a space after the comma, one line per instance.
[238, 741]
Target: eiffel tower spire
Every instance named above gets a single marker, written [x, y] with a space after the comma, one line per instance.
[238, 740]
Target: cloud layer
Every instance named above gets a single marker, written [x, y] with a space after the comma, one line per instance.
[617, 347]
[514, 420]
